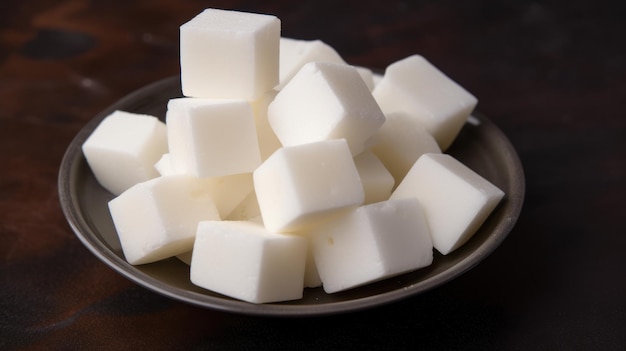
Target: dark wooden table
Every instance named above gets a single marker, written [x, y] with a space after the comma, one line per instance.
[551, 75]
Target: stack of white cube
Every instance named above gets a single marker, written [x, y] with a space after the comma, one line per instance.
[283, 167]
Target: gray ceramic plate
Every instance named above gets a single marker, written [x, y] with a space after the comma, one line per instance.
[480, 145]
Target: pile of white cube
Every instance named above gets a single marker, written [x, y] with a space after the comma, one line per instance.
[283, 167]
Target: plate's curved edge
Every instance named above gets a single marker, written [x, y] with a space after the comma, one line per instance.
[517, 192]
[68, 199]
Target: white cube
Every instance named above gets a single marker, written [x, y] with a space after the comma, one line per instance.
[157, 219]
[456, 200]
[164, 165]
[296, 53]
[268, 142]
[244, 261]
[229, 54]
[247, 210]
[325, 101]
[371, 243]
[368, 76]
[229, 191]
[377, 77]
[300, 186]
[416, 87]
[376, 179]
[123, 149]
[400, 142]
[311, 275]
[212, 138]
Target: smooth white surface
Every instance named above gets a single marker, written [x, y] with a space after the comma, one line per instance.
[123, 149]
[268, 142]
[212, 138]
[157, 219]
[229, 191]
[311, 275]
[164, 165]
[367, 75]
[376, 179]
[325, 101]
[243, 260]
[247, 210]
[300, 186]
[416, 87]
[295, 53]
[371, 243]
[400, 142]
[229, 54]
[456, 200]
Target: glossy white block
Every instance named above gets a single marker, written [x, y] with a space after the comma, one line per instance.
[296, 53]
[300, 186]
[212, 138]
[123, 149]
[456, 200]
[325, 101]
[157, 219]
[400, 142]
[229, 54]
[371, 243]
[376, 179]
[243, 260]
[416, 87]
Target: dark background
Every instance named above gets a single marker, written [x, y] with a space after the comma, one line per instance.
[550, 74]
